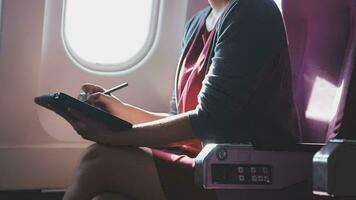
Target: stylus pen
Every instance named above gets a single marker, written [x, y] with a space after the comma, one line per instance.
[83, 96]
[111, 90]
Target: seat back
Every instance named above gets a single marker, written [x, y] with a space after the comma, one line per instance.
[322, 46]
[343, 125]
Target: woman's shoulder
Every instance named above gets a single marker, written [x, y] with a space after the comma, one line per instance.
[254, 11]
[252, 7]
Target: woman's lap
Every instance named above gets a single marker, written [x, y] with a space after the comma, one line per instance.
[159, 171]
[176, 173]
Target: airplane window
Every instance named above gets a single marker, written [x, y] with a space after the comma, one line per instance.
[109, 35]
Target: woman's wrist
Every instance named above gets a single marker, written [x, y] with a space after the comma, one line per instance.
[120, 110]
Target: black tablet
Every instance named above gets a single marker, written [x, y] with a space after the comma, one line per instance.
[60, 101]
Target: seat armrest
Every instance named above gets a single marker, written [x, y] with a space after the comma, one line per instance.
[236, 166]
[299, 147]
[334, 169]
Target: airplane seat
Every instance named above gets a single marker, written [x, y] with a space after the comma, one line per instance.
[320, 39]
[346, 129]
[334, 165]
[321, 36]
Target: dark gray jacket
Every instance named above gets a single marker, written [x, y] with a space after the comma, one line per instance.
[246, 94]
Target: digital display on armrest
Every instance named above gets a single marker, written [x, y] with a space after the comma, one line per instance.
[241, 174]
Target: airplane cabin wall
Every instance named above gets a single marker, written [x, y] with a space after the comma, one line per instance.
[194, 6]
[145, 89]
[37, 149]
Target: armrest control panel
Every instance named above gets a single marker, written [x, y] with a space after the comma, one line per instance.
[234, 166]
[241, 174]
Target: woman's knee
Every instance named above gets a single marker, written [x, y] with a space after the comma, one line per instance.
[103, 152]
[93, 152]
[92, 169]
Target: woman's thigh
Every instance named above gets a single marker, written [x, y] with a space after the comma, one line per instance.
[176, 174]
[128, 171]
[137, 173]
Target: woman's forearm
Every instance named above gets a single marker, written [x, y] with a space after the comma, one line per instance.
[137, 115]
[156, 133]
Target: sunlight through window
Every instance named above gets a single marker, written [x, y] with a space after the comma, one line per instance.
[324, 100]
[108, 32]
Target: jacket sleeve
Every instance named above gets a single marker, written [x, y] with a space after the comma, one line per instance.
[247, 40]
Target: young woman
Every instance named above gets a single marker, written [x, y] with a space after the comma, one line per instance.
[233, 85]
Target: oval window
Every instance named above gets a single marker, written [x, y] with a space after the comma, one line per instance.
[109, 35]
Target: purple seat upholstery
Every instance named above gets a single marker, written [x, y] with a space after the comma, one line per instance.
[347, 109]
[321, 35]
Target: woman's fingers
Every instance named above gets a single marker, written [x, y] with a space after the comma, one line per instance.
[81, 123]
[77, 125]
[89, 89]
[99, 98]
[79, 116]
[92, 88]
[66, 116]
[80, 127]
[88, 129]
[98, 138]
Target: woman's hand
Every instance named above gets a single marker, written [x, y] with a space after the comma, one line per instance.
[90, 129]
[96, 98]
[113, 105]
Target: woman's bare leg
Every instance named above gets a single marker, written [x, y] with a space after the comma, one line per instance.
[127, 171]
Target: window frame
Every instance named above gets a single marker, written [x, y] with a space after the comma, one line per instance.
[100, 68]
